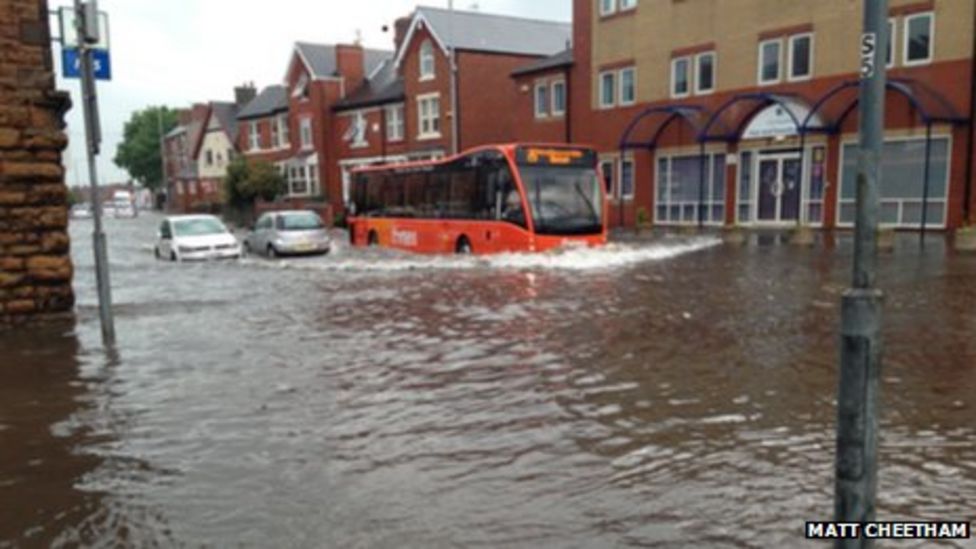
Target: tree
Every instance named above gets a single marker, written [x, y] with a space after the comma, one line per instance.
[247, 180]
[139, 151]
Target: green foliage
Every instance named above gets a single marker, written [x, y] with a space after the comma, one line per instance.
[246, 181]
[339, 220]
[139, 151]
[643, 218]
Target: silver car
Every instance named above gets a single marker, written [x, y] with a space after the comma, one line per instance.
[291, 232]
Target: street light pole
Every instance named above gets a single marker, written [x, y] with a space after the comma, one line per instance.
[86, 22]
[860, 353]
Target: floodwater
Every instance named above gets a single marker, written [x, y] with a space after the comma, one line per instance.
[677, 392]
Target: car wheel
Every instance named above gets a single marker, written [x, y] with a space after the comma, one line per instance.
[373, 239]
[272, 252]
[463, 246]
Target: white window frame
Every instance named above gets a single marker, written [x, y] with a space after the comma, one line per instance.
[689, 64]
[254, 136]
[395, 127]
[627, 5]
[602, 92]
[552, 97]
[840, 200]
[698, 57]
[427, 56]
[893, 32]
[620, 86]
[361, 123]
[790, 77]
[626, 158]
[906, 39]
[428, 98]
[605, 11]
[305, 128]
[275, 133]
[541, 109]
[779, 62]
[284, 131]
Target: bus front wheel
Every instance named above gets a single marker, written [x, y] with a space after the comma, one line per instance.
[463, 246]
[373, 239]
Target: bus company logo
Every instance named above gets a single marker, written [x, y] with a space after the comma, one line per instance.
[404, 238]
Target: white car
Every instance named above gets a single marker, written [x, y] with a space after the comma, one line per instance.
[195, 237]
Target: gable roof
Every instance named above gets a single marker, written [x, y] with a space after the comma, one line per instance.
[385, 86]
[271, 100]
[469, 30]
[561, 59]
[226, 113]
[320, 59]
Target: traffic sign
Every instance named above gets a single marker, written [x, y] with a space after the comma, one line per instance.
[71, 63]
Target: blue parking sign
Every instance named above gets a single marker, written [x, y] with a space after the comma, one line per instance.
[71, 64]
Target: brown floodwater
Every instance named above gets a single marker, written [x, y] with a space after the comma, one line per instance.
[677, 392]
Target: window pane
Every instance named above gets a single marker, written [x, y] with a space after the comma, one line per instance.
[607, 169]
[685, 178]
[627, 178]
[558, 97]
[745, 177]
[718, 178]
[680, 84]
[627, 86]
[662, 179]
[919, 38]
[770, 61]
[801, 57]
[607, 94]
[540, 100]
[706, 72]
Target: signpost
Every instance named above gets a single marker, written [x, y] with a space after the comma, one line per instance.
[84, 31]
[860, 352]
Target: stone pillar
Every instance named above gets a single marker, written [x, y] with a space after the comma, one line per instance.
[35, 261]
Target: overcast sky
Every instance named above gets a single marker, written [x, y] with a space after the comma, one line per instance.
[176, 52]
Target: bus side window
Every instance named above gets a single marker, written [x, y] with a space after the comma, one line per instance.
[463, 191]
[439, 193]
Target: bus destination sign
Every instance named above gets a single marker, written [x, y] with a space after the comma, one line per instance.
[555, 156]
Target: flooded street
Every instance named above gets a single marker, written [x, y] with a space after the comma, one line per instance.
[679, 392]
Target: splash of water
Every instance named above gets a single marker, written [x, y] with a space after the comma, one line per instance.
[611, 256]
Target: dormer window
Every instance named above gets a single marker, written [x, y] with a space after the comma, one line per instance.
[426, 60]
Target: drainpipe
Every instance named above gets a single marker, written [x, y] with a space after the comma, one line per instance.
[567, 116]
[967, 203]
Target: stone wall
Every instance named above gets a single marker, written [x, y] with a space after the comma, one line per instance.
[35, 261]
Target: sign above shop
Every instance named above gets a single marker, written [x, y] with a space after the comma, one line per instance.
[779, 120]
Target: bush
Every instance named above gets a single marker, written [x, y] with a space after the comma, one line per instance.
[339, 220]
[643, 218]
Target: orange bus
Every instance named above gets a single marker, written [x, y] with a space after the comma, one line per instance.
[498, 198]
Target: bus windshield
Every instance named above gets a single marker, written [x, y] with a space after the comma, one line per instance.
[564, 200]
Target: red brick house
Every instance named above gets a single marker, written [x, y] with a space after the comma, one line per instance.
[182, 189]
[292, 124]
[404, 110]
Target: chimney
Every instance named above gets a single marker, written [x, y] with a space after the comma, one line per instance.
[199, 111]
[244, 94]
[400, 27]
[349, 64]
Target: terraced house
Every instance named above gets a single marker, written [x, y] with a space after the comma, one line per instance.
[745, 113]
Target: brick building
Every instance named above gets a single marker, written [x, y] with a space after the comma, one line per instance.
[35, 260]
[744, 113]
[343, 106]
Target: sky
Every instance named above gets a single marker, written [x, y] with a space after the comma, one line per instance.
[178, 52]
